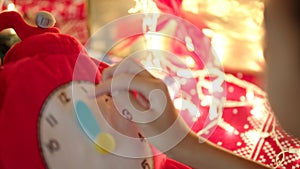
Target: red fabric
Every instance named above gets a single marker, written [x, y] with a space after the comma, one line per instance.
[251, 120]
[43, 61]
[161, 161]
[32, 69]
[169, 6]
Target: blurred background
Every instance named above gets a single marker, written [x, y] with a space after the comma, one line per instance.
[234, 26]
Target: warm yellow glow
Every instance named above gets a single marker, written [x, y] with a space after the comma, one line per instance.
[149, 22]
[147, 6]
[236, 29]
[221, 8]
[218, 42]
[178, 103]
[190, 61]
[208, 32]
[191, 5]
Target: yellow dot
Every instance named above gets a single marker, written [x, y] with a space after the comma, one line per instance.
[105, 143]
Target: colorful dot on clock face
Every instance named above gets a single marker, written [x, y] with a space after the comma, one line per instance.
[104, 142]
[87, 120]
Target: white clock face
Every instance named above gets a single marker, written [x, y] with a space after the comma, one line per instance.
[68, 127]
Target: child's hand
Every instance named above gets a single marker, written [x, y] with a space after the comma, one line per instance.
[151, 108]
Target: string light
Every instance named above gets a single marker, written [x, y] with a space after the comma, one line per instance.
[228, 127]
[221, 39]
[208, 32]
[233, 23]
[150, 23]
[190, 62]
[189, 43]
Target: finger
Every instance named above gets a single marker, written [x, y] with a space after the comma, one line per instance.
[152, 89]
[108, 72]
[130, 109]
[126, 66]
[142, 100]
[127, 82]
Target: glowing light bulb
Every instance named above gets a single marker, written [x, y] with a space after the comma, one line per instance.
[11, 6]
[260, 55]
[219, 43]
[257, 112]
[250, 95]
[189, 43]
[229, 128]
[208, 32]
[178, 103]
[190, 62]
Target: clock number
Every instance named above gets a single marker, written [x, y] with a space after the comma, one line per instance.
[64, 98]
[142, 138]
[53, 146]
[51, 120]
[145, 164]
[127, 114]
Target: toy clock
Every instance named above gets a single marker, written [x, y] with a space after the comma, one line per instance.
[48, 120]
[74, 132]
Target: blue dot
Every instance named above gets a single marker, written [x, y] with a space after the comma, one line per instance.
[87, 120]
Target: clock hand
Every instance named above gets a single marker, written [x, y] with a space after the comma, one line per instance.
[104, 141]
